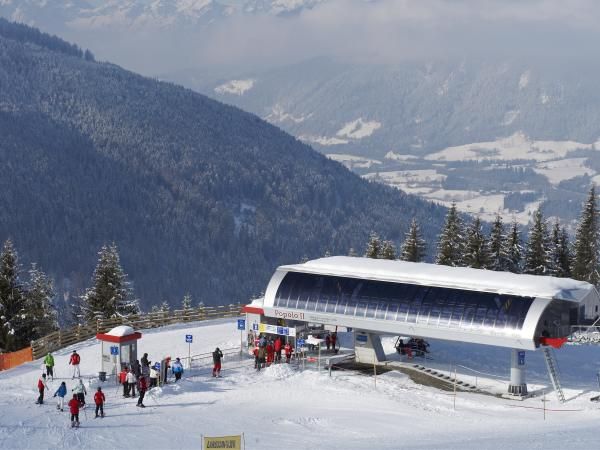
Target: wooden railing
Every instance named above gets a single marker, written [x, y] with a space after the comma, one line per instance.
[65, 337]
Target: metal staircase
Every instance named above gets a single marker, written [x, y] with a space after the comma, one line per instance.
[553, 373]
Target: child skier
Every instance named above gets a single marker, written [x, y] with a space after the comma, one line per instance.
[74, 408]
[41, 387]
[123, 381]
[131, 380]
[80, 393]
[61, 392]
[217, 355]
[177, 369]
[99, 400]
[153, 377]
[74, 361]
[143, 386]
[49, 363]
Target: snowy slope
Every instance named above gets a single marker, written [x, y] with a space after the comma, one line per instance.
[285, 408]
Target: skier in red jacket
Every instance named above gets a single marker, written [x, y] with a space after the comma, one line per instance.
[74, 361]
[41, 387]
[142, 386]
[288, 352]
[74, 408]
[99, 400]
[270, 353]
[277, 345]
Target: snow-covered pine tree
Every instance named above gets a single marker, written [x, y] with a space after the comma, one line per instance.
[514, 249]
[388, 250]
[560, 253]
[352, 252]
[586, 258]
[477, 253]
[373, 247]
[12, 301]
[155, 309]
[497, 245]
[40, 309]
[165, 307]
[327, 254]
[111, 294]
[414, 246]
[537, 253]
[186, 303]
[451, 240]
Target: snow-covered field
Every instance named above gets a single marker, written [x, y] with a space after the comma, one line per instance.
[517, 146]
[284, 407]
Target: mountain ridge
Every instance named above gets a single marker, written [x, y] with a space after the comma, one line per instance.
[199, 196]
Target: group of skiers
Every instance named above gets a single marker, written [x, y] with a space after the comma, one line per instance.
[268, 351]
[79, 391]
[139, 375]
[74, 361]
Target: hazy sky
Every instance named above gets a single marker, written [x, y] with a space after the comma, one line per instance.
[377, 30]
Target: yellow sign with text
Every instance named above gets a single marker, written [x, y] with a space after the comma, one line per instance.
[220, 442]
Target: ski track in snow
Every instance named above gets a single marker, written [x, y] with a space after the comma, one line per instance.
[284, 407]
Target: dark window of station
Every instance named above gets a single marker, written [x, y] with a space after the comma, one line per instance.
[433, 306]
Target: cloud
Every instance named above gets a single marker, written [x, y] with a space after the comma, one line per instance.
[376, 30]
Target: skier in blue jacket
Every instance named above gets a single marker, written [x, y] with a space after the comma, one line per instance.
[61, 392]
[177, 369]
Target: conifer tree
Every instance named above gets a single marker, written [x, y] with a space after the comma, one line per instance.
[186, 303]
[388, 250]
[40, 309]
[451, 240]
[373, 247]
[476, 247]
[327, 254]
[12, 301]
[499, 260]
[111, 294]
[155, 309]
[514, 249]
[414, 246]
[560, 253]
[586, 258]
[352, 252]
[537, 254]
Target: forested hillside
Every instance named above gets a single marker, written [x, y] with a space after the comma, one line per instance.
[200, 197]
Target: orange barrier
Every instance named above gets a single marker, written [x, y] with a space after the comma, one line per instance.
[14, 359]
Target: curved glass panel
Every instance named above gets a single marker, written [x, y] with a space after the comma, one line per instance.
[402, 302]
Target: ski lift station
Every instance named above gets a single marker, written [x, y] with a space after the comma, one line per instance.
[377, 297]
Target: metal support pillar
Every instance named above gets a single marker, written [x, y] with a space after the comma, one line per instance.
[518, 385]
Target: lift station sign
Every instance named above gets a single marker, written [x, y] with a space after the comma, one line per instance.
[274, 329]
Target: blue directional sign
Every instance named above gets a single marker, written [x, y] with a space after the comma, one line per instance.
[300, 342]
[188, 338]
[255, 327]
[114, 350]
[157, 366]
[521, 358]
[241, 324]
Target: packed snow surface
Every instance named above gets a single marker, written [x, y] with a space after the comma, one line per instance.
[288, 407]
